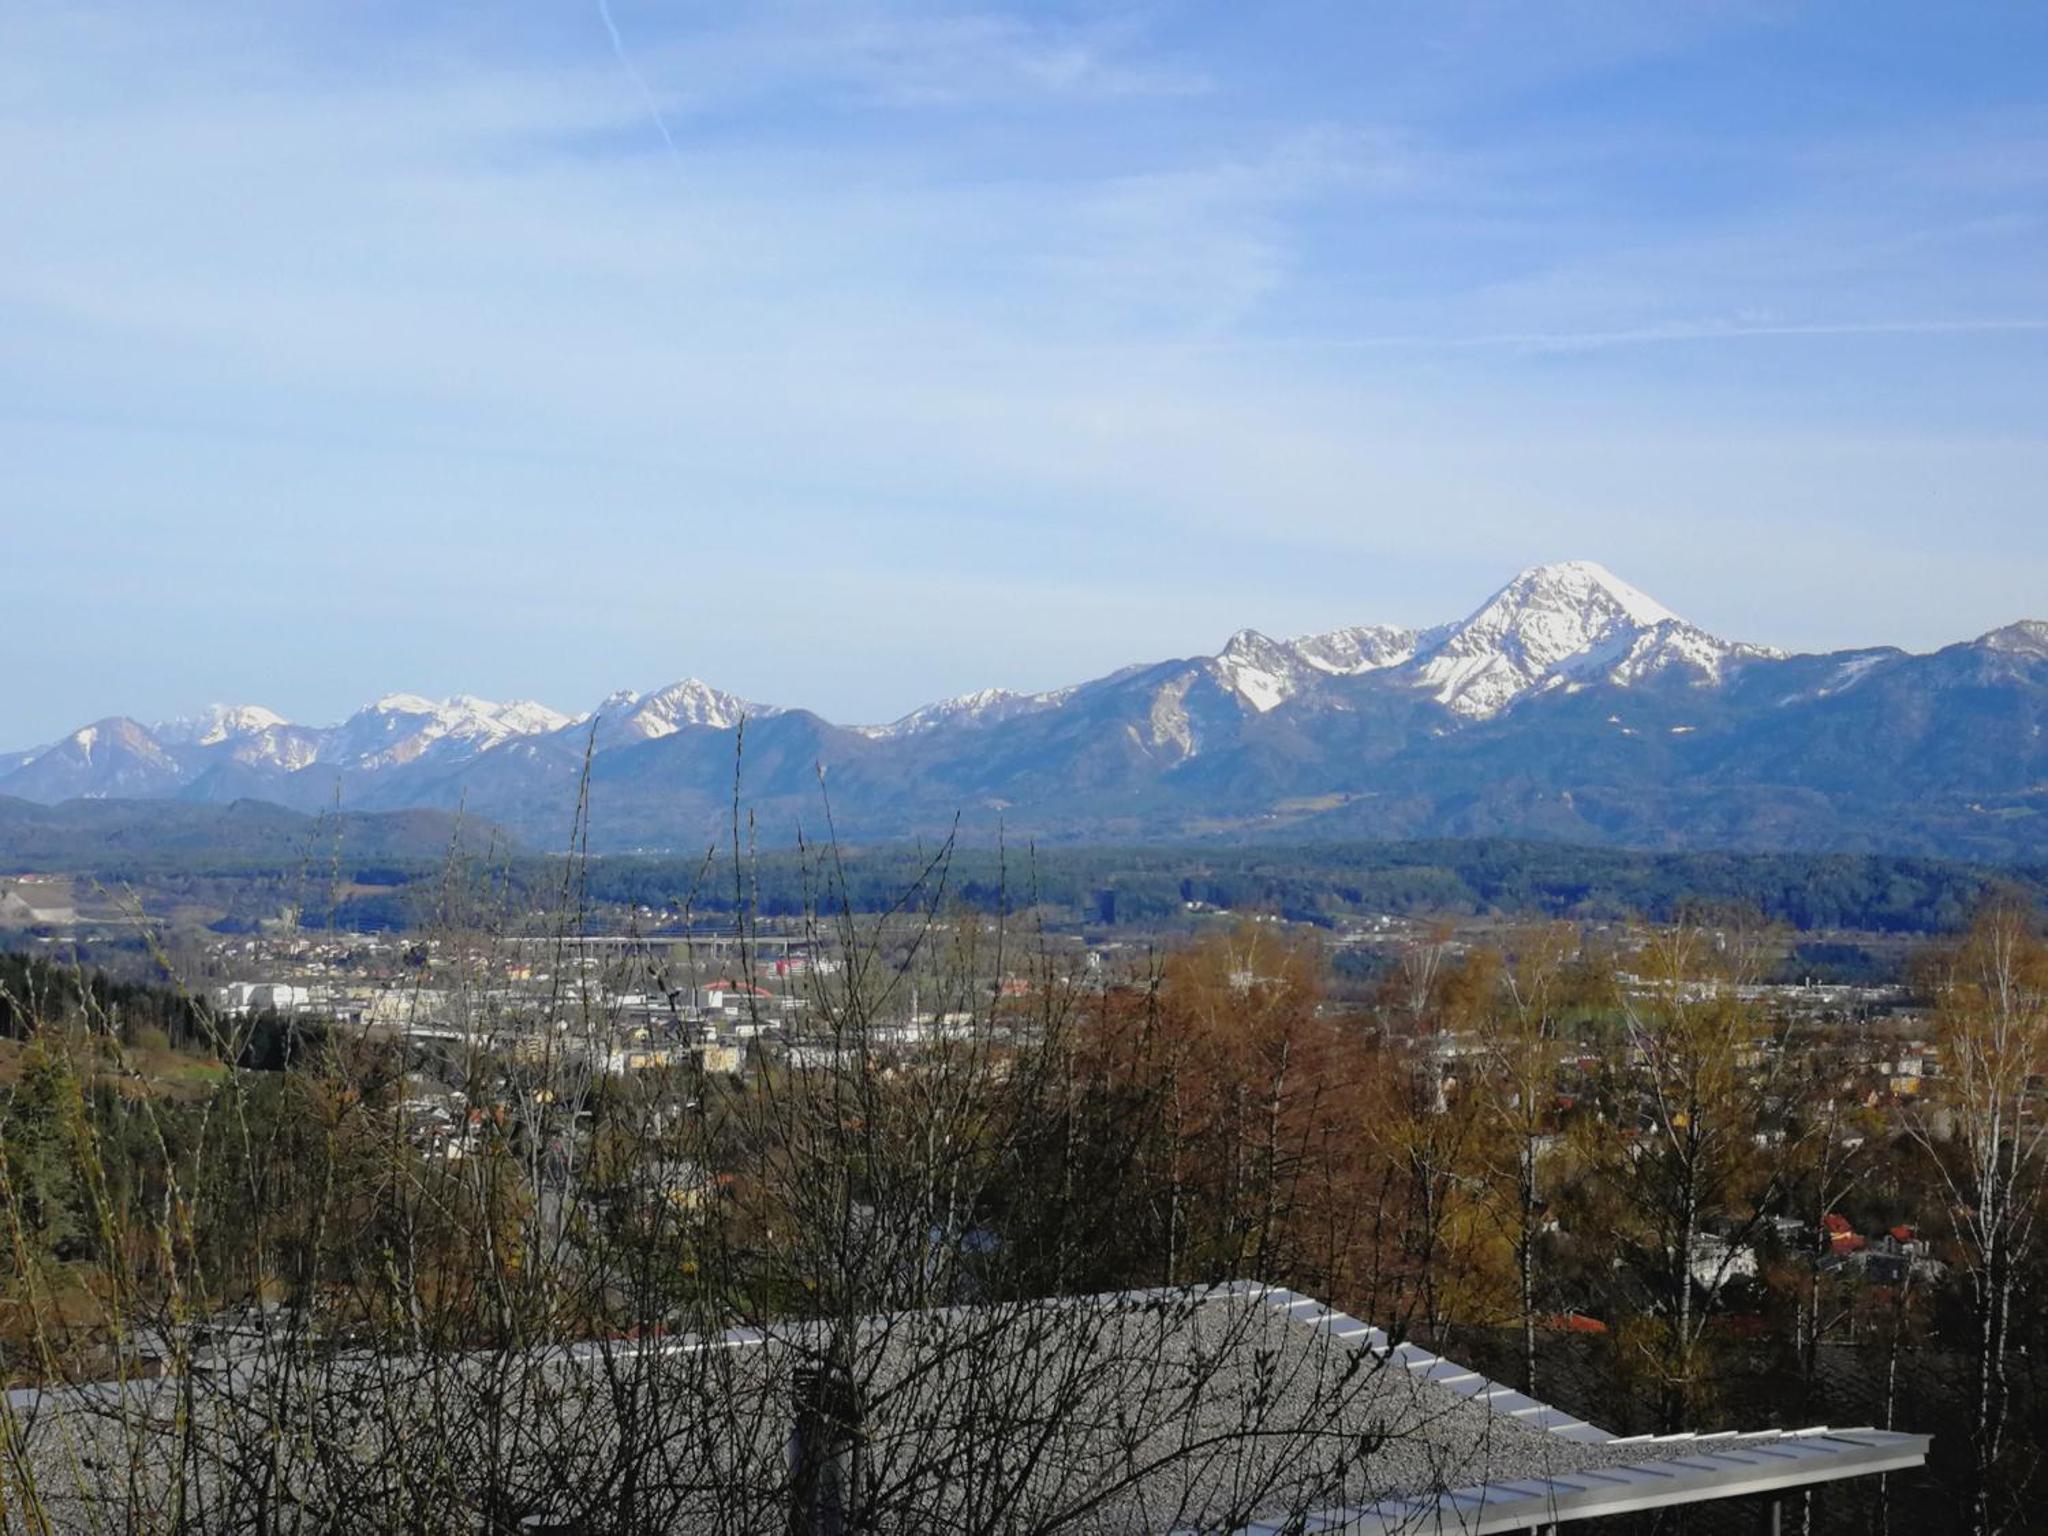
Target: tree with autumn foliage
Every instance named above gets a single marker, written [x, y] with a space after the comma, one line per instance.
[1539, 983]
[1673, 1170]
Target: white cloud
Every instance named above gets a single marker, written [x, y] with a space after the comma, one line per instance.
[924, 294]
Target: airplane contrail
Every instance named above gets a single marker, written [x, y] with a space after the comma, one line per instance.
[604, 10]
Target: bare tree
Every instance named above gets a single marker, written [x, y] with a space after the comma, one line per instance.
[1990, 1143]
[825, 1293]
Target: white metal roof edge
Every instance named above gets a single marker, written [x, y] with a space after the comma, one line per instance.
[1732, 1464]
[1590, 1494]
[1502, 1399]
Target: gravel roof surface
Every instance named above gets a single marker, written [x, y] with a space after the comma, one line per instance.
[1176, 1412]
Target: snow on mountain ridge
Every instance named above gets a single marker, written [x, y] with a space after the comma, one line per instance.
[984, 706]
[1552, 626]
[1359, 649]
[1569, 621]
[626, 716]
[217, 723]
[1264, 672]
[245, 733]
[530, 717]
[466, 712]
[695, 702]
[403, 728]
[2028, 637]
[400, 704]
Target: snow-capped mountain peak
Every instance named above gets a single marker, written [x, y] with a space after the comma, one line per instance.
[1565, 679]
[468, 715]
[1557, 623]
[2029, 637]
[406, 727]
[1590, 583]
[218, 723]
[400, 704]
[245, 733]
[1550, 612]
[111, 757]
[1552, 624]
[117, 734]
[1262, 671]
[626, 716]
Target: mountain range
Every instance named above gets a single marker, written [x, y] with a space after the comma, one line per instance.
[1569, 705]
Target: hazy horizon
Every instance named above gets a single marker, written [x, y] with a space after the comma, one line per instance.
[582, 708]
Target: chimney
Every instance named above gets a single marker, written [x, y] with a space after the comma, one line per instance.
[824, 1451]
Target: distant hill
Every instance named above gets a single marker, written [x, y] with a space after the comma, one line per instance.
[109, 835]
[1569, 706]
[247, 859]
[1326, 882]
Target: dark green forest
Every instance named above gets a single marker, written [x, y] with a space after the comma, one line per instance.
[1145, 888]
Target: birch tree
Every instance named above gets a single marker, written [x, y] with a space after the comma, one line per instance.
[1990, 1143]
[1520, 1038]
[1683, 1165]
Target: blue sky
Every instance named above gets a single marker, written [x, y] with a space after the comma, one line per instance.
[852, 355]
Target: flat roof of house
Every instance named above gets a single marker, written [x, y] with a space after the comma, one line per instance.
[1241, 1407]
